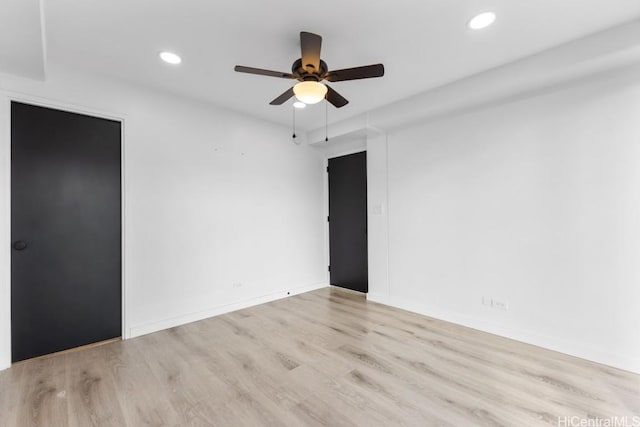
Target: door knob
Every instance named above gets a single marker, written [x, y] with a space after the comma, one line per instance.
[19, 245]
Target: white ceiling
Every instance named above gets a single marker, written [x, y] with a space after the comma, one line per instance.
[423, 43]
[21, 41]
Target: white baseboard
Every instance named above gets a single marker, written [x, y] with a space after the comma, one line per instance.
[159, 325]
[621, 361]
[379, 298]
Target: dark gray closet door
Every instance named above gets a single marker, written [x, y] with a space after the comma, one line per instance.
[65, 230]
[348, 221]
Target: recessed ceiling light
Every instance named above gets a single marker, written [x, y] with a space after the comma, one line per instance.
[299, 104]
[170, 57]
[482, 20]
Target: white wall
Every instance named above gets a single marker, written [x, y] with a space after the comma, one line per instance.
[377, 216]
[22, 45]
[535, 202]
[212, 199]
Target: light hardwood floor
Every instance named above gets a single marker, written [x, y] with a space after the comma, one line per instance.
[326, 358]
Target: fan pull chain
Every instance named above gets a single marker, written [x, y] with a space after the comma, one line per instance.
[294, 122]
[326, 119]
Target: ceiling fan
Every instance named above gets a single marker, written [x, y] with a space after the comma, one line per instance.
[310, 71]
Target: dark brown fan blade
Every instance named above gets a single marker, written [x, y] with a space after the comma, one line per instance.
[261, 72]
[335, 98]
[365, 72]
[310, 45]
[283, 98]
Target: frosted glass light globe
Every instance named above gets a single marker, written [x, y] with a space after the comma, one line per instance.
[310, 92]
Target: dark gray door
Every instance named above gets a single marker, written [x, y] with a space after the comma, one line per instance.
[65, 230]
[348, 221]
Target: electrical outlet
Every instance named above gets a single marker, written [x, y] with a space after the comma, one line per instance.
[500, 305]
[237, 285]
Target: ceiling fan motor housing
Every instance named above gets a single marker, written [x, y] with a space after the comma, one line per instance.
[309, 72]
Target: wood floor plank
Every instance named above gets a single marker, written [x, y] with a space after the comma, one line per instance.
[133, 378]
[40, 399]
[91, 393]
[324, 358]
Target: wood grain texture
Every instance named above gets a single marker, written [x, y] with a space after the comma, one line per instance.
[324, 358]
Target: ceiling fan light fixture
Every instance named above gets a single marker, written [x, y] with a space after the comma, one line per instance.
[299, 104]
[310, 92]
[482, 20]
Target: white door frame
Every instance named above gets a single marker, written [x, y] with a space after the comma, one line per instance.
[5, 204]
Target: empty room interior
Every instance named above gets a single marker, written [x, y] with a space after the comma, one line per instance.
[281, 213]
